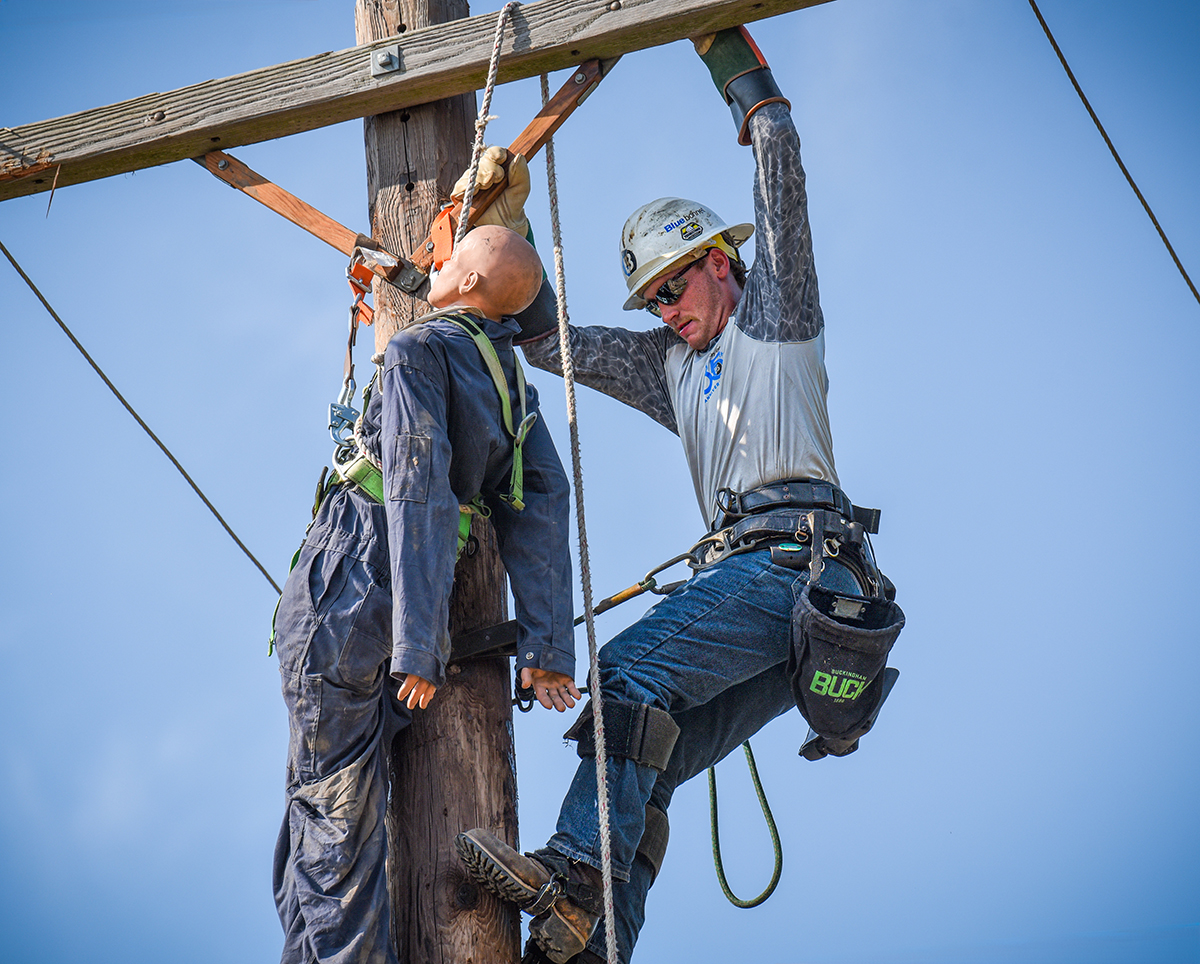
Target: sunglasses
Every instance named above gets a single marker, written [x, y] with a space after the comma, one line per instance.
[671, 290]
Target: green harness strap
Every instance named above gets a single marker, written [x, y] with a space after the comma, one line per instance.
[369, 478]
[516, 486]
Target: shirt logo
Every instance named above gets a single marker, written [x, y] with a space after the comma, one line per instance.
[712, 374]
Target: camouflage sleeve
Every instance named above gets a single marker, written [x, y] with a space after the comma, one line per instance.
[780, 302]
[628, 365]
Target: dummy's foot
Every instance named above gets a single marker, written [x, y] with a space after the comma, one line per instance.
[564, 896]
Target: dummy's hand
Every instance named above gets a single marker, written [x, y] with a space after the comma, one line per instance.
[555, 691]
[416, 690]
[508, 210]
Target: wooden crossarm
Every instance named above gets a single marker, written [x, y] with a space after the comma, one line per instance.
[435, 62]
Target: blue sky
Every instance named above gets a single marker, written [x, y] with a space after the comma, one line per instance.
[1011, 354]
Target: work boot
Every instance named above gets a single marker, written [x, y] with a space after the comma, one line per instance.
[535, 955]
[564, 896]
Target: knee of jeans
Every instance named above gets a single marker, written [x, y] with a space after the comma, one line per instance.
[630, 685]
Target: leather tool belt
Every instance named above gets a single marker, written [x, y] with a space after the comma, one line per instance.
[778, 512]
[792, 493]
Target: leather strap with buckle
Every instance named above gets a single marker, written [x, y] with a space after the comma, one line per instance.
[792, 494]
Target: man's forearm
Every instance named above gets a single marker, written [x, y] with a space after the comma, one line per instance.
[626, 365]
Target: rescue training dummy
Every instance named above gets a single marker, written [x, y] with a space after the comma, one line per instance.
[737, 371]
[362, 624]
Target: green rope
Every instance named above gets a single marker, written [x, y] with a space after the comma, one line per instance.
[716, 837]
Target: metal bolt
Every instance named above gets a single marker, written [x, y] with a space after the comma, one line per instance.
[222, 164]
[580, 78]
[158, 115]
[615, 5]
[384, 58]
[428, 245]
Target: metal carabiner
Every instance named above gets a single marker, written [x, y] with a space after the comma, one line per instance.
[343, 415]
[724, 502]
[651, 584]
[358, 282]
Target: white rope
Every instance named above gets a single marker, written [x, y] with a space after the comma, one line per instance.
[585, 573]
[568, 368]
[481, 122]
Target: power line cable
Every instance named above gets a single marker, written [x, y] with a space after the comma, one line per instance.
[129, 408]
[1103, 133]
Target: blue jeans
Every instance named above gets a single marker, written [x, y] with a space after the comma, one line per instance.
[713, 654]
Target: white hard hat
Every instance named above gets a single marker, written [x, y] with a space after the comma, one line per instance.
[665, 231]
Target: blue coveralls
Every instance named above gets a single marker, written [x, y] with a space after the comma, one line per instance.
[367, 602]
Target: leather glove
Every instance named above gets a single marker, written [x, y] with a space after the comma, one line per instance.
[741, 74]
[508, 210]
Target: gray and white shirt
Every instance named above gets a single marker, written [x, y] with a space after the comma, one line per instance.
[749, 408]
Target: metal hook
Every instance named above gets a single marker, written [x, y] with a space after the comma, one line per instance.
[342, 416]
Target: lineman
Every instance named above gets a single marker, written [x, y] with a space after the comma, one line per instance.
[362, 624]
[737, 371]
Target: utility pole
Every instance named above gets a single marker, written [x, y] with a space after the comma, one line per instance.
[454, 767]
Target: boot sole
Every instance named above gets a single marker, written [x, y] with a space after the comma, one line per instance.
[489, 861]
[483, 858]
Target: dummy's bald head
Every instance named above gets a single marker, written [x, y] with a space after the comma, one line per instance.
[493, 269]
